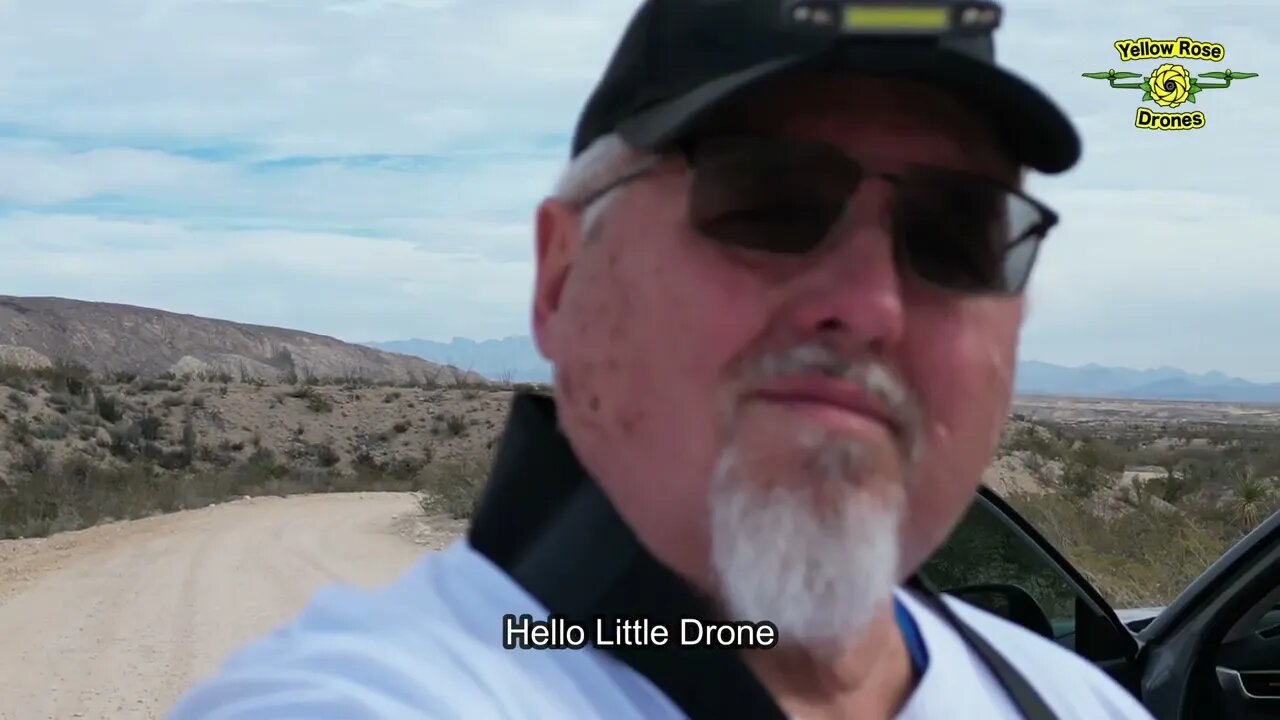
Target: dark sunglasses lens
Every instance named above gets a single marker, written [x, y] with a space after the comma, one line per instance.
[962, 232]
[768, 195]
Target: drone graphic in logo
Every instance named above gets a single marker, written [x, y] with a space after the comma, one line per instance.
[1169, 85]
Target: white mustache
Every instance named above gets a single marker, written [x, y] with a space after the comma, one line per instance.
[870, 376]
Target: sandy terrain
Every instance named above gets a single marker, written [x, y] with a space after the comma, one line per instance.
[116, 620]
[1094, 412]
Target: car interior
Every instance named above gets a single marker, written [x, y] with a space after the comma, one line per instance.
[1214, 653]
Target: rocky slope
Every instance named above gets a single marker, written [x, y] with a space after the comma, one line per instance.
[112, 338]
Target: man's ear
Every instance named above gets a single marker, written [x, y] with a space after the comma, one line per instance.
[556, 229]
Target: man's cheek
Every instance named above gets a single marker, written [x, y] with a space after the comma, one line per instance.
[964, 413]
[964, 383]
[973, 362]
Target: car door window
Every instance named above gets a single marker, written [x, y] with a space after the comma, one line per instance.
[985, 550]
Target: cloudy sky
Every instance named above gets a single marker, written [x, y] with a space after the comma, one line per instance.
[368, 168]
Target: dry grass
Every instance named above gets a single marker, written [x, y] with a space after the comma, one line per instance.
[1141, 508]
[77, 450]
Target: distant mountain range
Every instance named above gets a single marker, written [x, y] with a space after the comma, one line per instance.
[517, 359]
[1163, 383]
[512, 358]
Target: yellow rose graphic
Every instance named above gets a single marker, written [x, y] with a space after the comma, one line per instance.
[1169, 85]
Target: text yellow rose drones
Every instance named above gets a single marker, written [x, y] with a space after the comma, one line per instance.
[1170, 85]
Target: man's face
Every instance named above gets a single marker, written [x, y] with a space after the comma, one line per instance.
[679, 363]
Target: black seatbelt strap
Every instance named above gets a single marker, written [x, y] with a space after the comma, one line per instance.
[587, 562]
[1025, 697]
[547, 524]
[587, 550]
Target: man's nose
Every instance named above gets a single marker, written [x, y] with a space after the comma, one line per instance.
[854, 286]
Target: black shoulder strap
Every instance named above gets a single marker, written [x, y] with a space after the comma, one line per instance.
[604, 551]
[587, 560]
[1025, 697]
[547, 524]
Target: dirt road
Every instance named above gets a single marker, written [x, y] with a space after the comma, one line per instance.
[115, 621]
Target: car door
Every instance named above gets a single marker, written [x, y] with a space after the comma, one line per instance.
[996, 560]
[1215, 651]
[1212, 653]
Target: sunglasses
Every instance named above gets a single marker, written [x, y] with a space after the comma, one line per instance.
[959, 231]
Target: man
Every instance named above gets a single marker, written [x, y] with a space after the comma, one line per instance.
[781, 285]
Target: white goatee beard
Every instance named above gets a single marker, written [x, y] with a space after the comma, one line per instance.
[816, 555]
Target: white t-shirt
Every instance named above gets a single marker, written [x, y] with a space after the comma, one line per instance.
[429, 646]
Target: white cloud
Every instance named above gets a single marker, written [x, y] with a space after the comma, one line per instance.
[40, 176]
[315, 281]
[153, 117]
[135, 251]
[482, 204]
[298, 78]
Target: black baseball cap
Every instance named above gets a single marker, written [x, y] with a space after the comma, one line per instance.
[681, 60]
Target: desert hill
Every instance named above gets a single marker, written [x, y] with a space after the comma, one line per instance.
[109, 338]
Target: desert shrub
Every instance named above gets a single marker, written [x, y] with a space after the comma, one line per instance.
[1079, 479]
[18, 402]
[1035, 440]
[1173, 488]
[315, 400]
[81, 491]
[54, 428]
[405, 467]
[454, 486]
[452, 424]
[126, 440]
[189, 438]
[20, 431]
[324, 454]
[154, 385]
[1102, 454]
[108, 407]
[61, 402]
[15, 376]
[263, 464]
[149, 427]
[31, 459]
[67, 377]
